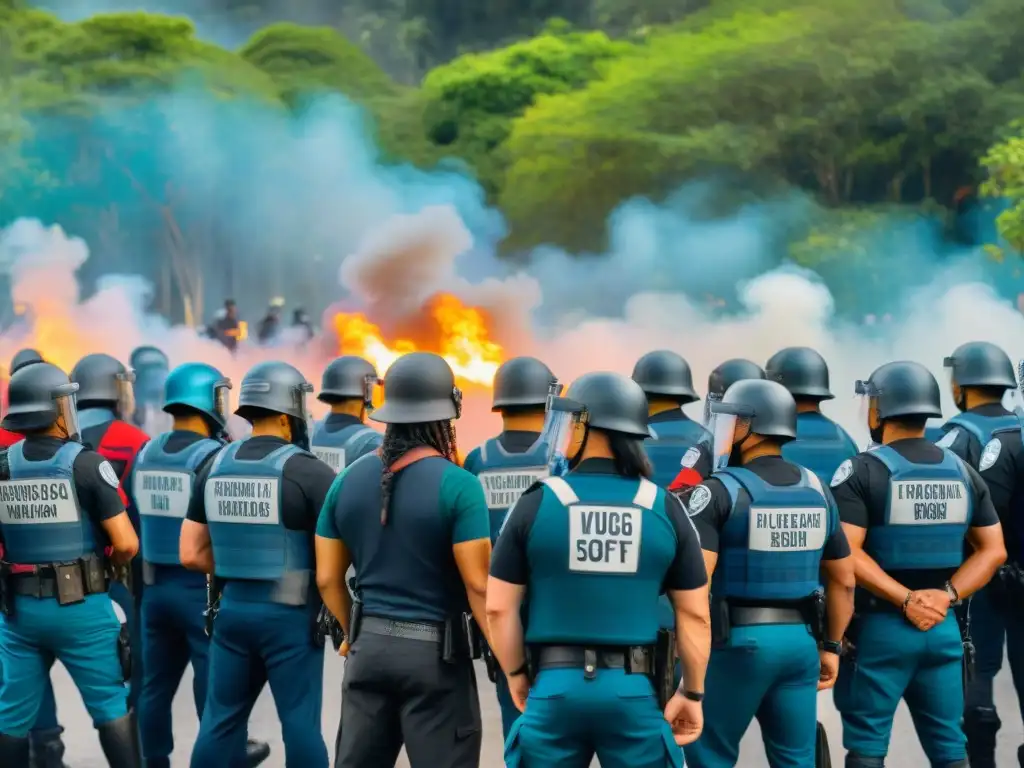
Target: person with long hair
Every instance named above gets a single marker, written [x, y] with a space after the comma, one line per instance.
[415, 525]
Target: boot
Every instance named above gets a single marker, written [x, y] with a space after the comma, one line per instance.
[47, 749]
[120, 741]
[980, 727]
[14, 751]
[256, 752]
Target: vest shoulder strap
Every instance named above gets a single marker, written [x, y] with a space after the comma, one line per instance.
[483, 450]
[969, 425]
[646, 494]
[226, 453]
[15, 457]
[562, 490]
[361, 432]
[888, 457]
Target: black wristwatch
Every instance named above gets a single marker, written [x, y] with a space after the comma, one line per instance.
[522, 669]
[831, 646]
[692, 695]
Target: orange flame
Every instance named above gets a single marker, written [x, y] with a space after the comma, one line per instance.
[461, 339]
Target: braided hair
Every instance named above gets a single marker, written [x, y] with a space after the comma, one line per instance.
[399, 439]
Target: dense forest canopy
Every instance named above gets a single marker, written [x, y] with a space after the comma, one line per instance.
[870, 107]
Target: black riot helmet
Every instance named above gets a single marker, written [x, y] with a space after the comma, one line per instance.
[103, 381]
[24, 357]
[277, 387]
[349, 378]
[729, 372]
[418, 388]
[767, 405]
[522, 382]
[612, 402]
[902, 389]
[665, 374]
[37, 396]
[802, 371]
[981, 364]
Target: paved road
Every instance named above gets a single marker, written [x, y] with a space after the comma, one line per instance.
[85, 752]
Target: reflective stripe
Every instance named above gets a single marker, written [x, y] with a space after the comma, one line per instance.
[646, 494]
[562, 490]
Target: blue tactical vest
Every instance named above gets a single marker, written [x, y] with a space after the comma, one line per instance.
[331, 447]
[598, 553]
[983, 428]
[771, 549]
[40, 515]
[821, 445]
[505, 476]
[162, 489]
[243, 501]
[928, 512]
[671, 441]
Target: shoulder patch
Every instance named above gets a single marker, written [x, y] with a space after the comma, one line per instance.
[842, 473]
[107, 473]
[990, 454]
[700, 497]
[949, 438]
[690, 458]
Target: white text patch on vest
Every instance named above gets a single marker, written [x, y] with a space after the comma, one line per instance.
[787, 530]
[503, 488]
[39, 501]
[243, 500]
[163, 494]
[604, 539]
[928, 502]
[332, 457]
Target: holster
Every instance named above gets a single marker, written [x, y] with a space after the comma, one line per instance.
[462, 639]
[124, 652]
[214, 587]
[822, 755]
[970, 655]
[492, 666]
[665, 666]
[1007, 589]
[355, 619]
[818, 619]
[721, 624]
[320, 627]
[852, 637]
[119, 573]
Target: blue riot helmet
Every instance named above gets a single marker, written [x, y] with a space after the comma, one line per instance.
[38, 396]
[23, 357]
[978, 364]
[104, 381]
[201, 388]
[277, 387]
[750, 407]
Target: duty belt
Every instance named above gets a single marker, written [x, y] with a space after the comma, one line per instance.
[43, 583]
[410, 630]
[749, 615]
[636, 660]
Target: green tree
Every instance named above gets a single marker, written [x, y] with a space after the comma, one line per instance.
[1005, 166]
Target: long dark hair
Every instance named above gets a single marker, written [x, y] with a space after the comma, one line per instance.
[399, 439]
[630, 457]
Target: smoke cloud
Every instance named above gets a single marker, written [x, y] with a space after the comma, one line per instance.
[335, 220]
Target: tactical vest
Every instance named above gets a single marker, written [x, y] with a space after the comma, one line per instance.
[162, 489]
[983, 428]
[244, 501]
[331, 447]
[668, 446]
[39, 511]
[771, 549]
[598, 554]
[821, 445]
[505, 476]
[928, 511]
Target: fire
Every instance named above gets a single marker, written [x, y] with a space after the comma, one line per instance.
[461, 339]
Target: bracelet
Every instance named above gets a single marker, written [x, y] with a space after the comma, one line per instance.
[693, 696]
[831, 646]
[953, 593]
[522, 669]
[906, 602]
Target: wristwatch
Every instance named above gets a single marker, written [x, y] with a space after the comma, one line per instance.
[692, 695]
[954, 596]
[831, 646]
[522, 669]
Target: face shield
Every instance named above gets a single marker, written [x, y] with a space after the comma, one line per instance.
[867, 397]
[65, 404]
[302, 427]
[222, 400]
[949, 369]
[373, 392]
[730, 422]
[125, 394]
[708, 401]
[562, 426]
[457, 399]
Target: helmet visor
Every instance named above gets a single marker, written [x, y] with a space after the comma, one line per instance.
[372, 391]
[222, 400]
[66, 407]
[125, 394]
[708, 402]
[560, 428]
[949, 369]
[299, 396]
[723, 428]
[867, 396]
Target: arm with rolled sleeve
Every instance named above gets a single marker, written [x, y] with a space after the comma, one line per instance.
[333, 557]
[986, 539]
[195, 549]
[840, 573]
[687, 587]
[463, 496]
[99, 492]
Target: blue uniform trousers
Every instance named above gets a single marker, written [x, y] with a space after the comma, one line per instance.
[256, 643]
[569, 719]
[173, 635]
[893, 661]
[769, 672]
[83, 637]
[509, 712]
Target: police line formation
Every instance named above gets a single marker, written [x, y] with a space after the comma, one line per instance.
[640, 586]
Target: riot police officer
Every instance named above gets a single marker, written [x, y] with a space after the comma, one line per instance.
[768, 528]
[415, 526]
[24, 357]
[907, 507]
[594, 549]
[250, 524]
[513, 461]
[679, 448]
[59, 507]
[821, 445]
[988, 437]
[151, 368]
[347, 387]
[727, 374]
[174, 601]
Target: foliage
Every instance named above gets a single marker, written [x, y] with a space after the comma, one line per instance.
[1005, 166]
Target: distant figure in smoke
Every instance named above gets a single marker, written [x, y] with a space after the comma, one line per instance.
[228, 329]
[151, 367]
[301, 322]
[270, 325]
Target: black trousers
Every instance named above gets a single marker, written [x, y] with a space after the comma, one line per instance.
[398, 691]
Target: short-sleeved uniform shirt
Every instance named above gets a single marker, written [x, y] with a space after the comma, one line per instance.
[861, 489]
[711, 507]
[405, 570]
[963, 443]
